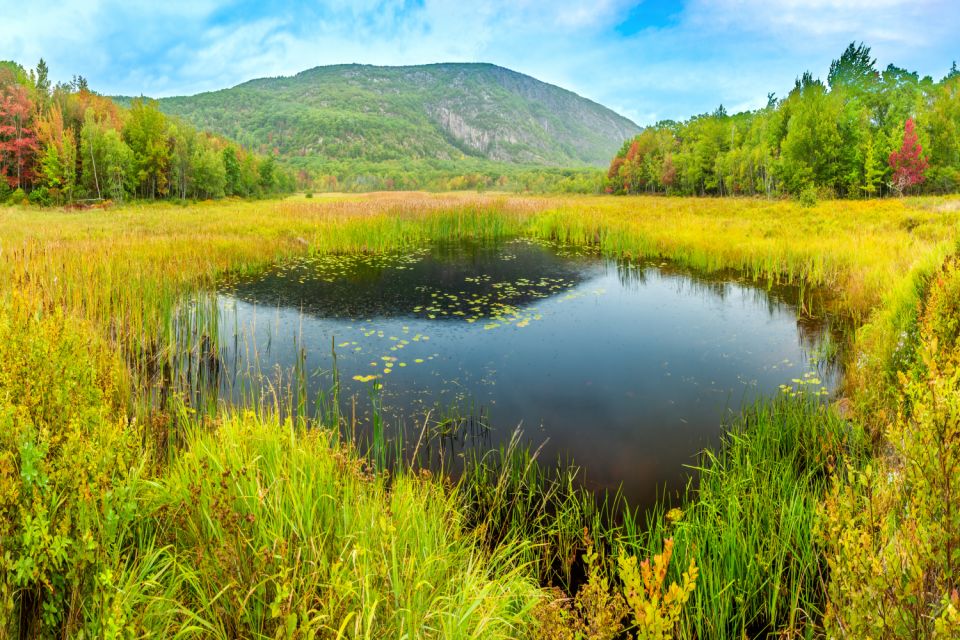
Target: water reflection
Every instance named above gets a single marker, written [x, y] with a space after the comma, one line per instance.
[628, 369]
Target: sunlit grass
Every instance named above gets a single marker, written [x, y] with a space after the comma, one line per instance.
[859, 249]
[276, 528]
[142, 257]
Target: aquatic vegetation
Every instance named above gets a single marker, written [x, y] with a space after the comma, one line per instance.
[809, 384]
[763, 570]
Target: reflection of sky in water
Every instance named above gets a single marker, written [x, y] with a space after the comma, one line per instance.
[626, 370]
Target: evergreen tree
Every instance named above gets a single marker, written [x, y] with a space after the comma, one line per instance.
[855, 68]
[42, 81]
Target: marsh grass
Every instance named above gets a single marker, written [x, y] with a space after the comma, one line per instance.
[128, 270]
[750, 521]
[134, 503]
[277, 528]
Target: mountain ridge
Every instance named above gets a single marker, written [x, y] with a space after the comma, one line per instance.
[443, 111]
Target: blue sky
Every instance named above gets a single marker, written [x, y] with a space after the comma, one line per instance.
[646, 59]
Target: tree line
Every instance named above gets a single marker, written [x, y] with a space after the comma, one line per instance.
[863, 133]
[433, 174]
[65, 143]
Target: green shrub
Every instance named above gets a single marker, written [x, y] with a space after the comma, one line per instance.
[808, 197]
[40, 196]
[67, 472]
[17, 197]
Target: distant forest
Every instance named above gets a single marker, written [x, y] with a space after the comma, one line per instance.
[863, 133]
[64, 143]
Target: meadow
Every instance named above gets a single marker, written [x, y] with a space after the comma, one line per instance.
[127, 510]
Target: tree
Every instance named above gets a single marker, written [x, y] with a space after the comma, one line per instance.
[873, 169]
[809, 154]
[209, 174]
[855, 68]
[91, 153]
[117, 165]
[18, 142]
[147, 135]
[942, 127]
[12, 73]
[79, 84]
[43, 81]
[108, 164]
[183, 142]
[954, 72]
[231, 166]
[267, 178]
[58, 161]
[249, 176]
[907, 163]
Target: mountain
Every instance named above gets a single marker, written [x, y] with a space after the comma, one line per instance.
[429, 112]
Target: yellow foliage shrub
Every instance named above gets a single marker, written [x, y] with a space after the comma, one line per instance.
[892, 530]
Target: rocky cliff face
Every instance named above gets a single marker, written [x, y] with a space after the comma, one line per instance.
[456, 126]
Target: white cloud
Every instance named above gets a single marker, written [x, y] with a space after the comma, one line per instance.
[729, 51]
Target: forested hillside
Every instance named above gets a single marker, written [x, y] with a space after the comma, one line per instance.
[436, 111]
[63, 143]
[864, 132]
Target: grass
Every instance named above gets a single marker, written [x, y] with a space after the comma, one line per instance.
[294, 533]
[858, 249]
[760, 568]
[126, 506]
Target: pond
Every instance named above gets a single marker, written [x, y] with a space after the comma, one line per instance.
[626, 369]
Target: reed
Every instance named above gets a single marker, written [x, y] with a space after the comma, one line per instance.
[750, 522]
[293, 533]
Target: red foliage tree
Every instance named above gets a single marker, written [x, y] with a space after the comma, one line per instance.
[615, 167]
[668, 172]
[907, 163]
[18, 142]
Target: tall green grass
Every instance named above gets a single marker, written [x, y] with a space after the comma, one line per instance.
[750, 522]
[748, 519]
[274, 529]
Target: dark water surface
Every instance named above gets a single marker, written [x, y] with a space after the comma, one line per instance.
[626, 369]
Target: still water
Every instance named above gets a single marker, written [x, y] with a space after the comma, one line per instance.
[627, 369]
